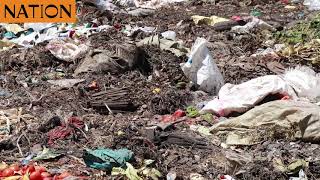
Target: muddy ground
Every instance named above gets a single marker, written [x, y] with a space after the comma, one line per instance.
[23, 73]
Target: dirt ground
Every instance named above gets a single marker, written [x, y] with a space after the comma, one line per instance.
[24, 71]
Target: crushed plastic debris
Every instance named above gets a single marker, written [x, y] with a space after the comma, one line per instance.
[201, 68]
[106, 159]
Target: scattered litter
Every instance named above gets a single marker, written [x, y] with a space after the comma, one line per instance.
[134, 174]
[211, 21]
[141, 12]
[252, 24]
[104, 61]
[171, 35]
[302, 176]
[9, 119]
[256, 13]
[66, 51]
[196, 176]
[285, 118]
[14, 28]
[201, 68]
[313, 5]
[66, 83]
[226, 177]
[290, 7]
[46, 154]
[106, 159]
[292, 168]
[165, 44]
[201, 129]
[171, 176]
[256, 90]
[65, 130]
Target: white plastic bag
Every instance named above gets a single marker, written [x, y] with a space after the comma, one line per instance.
[171, 35]
[313, 5]
[300, 82]
[201, 68]
[242, 97]
[253, 23]
[127, 3]
[38, 26]
[106, 5]
[66, 51]
[305, 82]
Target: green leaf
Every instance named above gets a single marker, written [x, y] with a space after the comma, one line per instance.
[192, 112]
[117, 171]
[132, 173]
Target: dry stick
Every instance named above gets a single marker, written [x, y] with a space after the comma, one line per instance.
[20, 151]
[112, 125]
[7, 121]
[108, 108]
[32, 98]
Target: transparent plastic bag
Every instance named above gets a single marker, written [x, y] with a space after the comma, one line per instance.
[201, 68]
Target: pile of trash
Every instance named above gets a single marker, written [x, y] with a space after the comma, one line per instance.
[163, 89]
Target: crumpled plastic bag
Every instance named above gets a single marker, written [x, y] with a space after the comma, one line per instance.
[305, 82]
[242, 97]
[143, 12]
[10, 121]
[313, 5]
[38, 26]
[125, 58]
[65, 50]
[292, 119]
[302, 176]
[14, 28]
[295, 83]
[171, 35]
[127, 3]
[201, 68]
[211, 21]
[46, 154]
[106, 159]
[253, 23]
[175, 47]
[134, 174]
[130, 31]
[155, 4]
[66, 83]
[105, 5]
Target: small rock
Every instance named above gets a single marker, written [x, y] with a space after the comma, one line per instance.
[197, 158]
